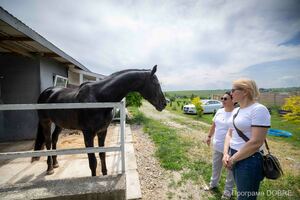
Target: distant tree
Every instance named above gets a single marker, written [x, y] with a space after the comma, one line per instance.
[292, 104]
[192, 96]
[134, 99]
[198, 104]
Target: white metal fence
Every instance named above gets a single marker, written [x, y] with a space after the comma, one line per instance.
[120, 105]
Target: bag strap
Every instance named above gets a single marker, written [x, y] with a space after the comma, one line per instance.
[242, 135]
[267, 146]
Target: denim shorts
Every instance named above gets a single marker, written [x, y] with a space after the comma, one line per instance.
[248, 173]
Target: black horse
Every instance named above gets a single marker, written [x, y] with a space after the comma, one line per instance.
[92, 122]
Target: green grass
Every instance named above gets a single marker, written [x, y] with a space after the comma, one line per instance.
[201, 93]
[172, 152]
[171, 149]
[278, 122]
[287, 186]
[177, 108]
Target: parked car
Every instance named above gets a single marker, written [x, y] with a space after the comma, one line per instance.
[208, 105]
[189, 109]
[211, 105]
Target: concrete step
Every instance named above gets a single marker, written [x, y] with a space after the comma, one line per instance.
[108, 187]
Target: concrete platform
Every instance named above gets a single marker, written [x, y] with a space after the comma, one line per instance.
[18, 172]
[108, 187]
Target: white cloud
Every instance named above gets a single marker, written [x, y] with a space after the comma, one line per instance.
[196, 44]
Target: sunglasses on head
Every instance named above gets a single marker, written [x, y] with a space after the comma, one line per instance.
[224, 98]
[234, 89]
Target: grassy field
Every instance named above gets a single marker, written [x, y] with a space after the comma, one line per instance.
[201, 93]
[174, 153]
[277, 122]
[208, 93]
[177, 108]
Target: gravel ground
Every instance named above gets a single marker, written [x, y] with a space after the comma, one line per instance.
[153, 178]
[156, 182]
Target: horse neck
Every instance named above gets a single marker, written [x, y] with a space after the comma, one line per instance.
[114, 89]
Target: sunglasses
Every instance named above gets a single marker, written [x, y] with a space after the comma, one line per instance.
[234, 89]
[224, 98]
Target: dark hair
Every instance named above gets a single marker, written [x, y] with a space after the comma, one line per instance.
[228, 93]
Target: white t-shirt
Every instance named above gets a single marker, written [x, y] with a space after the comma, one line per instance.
[221, 121]
[256, 115]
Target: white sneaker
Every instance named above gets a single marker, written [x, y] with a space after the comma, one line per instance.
[226, 195]
[209, 188]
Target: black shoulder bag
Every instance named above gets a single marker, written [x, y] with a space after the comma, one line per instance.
[271, 165]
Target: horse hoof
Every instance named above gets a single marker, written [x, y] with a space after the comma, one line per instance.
[33, 159]
[50, 172]
[55, 165]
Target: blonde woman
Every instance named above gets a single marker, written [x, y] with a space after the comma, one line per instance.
[218, 130]
[241, 150]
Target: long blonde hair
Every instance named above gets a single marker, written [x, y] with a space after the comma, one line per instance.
[249, 86]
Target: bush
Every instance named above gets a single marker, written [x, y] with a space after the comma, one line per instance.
[292, 104]
[174, 108]
[134, 99]
[198, 104]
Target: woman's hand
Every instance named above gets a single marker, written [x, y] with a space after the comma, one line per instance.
[208, 140]
[225, 160]
[230, 163]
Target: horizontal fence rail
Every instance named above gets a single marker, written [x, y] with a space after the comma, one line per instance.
[58, 106]
[24, 154]
[120, 105]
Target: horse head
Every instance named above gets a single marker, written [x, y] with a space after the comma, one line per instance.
[152, 91]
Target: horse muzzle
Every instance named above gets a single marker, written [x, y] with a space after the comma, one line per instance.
[161, 106]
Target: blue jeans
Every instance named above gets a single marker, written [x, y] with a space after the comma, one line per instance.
[248, 174]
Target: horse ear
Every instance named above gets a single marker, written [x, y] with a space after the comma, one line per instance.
[153, 70]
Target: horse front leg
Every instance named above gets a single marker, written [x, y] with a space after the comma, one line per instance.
[47, 134]
[55, 135]
[89, 142]
[101, 142]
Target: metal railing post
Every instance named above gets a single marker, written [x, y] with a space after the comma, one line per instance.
[122, 124]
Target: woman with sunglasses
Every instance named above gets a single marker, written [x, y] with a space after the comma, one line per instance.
[219, 129]
[245, 137]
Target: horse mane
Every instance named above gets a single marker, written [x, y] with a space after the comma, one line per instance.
[126, 71]
[113, 75]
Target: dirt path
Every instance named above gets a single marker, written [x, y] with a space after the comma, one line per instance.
[166, 116]
[193, 130]
[156, 182]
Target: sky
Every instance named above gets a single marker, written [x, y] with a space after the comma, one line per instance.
[197, 45]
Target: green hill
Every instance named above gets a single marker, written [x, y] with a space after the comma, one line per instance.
[204, 94]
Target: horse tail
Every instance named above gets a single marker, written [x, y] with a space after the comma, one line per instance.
[39, 141]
